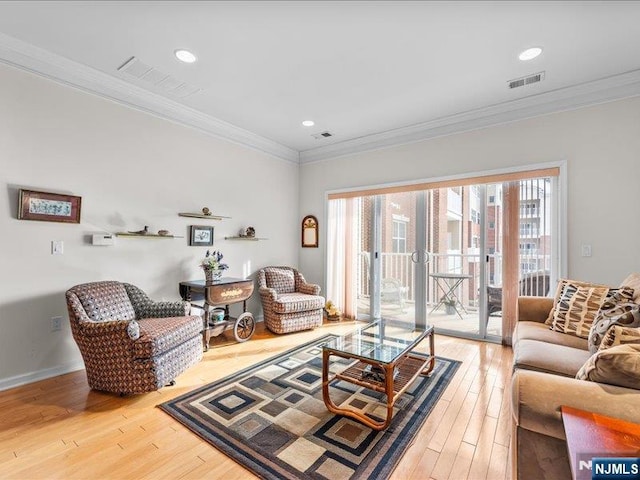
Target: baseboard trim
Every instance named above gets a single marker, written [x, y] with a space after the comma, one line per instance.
[25, 378]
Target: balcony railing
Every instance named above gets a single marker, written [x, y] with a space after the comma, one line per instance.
[400, 267]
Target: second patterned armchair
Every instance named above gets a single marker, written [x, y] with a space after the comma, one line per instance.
[290, 303]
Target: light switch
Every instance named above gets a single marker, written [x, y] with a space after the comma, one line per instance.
[586, 250]
[57, 247]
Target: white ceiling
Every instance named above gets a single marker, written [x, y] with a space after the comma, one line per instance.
[358, 69]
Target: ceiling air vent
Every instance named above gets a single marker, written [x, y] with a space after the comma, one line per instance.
[160, 80]
[321, 135]
[528, 80]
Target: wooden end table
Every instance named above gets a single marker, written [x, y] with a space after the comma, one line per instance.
[593, 435]
[384, 362]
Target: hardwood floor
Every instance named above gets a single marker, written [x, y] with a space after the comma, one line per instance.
[60, 429]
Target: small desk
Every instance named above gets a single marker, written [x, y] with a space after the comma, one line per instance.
[225, 291]
[590, 434]
[448, 283]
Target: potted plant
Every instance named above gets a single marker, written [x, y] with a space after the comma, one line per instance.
[213, 266]
[450, 306]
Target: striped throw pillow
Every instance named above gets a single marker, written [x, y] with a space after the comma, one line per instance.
[577, 308]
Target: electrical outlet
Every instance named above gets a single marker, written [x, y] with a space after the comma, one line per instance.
[586, 250]
[56, 324]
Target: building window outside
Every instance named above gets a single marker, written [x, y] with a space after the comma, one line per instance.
[492, 225]
[492, 199]
[529, 209]
[399, 239]
[475, 216]
[527, 229]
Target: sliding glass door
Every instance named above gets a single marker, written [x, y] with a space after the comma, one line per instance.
[437, 255]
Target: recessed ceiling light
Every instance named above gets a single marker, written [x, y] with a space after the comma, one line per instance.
[185, 56]
[308, 123]
[530, 53]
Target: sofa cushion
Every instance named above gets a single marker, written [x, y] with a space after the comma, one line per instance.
[159, 335]
[537, 398]
[549, 357]
[618, 335]
[541, 332]
[633, 281]
[577, 308]
[282, 280]
[297, 302]
[626, 314]
[618, 365]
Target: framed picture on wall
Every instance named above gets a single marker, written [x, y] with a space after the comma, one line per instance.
[49, 207]
[201, 236]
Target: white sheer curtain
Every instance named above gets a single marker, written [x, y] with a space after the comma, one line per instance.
[342, 248]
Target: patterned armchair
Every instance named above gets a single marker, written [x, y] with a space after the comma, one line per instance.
[290, 303]
[129, 343]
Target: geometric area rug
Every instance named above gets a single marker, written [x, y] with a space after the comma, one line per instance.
[271, 419]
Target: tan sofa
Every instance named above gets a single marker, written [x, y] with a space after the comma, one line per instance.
[545, 364]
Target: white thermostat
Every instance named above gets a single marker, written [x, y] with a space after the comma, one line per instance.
[102, 239]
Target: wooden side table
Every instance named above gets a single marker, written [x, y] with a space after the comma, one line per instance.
[223, 292]
[593, 435]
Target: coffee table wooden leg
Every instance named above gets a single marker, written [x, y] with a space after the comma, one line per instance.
[432, 353]
[333, 408]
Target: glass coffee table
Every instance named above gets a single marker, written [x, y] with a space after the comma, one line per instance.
[383, 361]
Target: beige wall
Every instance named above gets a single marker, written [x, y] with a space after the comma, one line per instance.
[131, 169]
[600, 144]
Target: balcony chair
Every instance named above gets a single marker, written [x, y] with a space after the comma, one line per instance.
[289, 303]
[391, 289]
[532, 284]
[129, 343]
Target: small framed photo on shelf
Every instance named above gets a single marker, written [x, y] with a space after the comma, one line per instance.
[201, 236]
[49, 207]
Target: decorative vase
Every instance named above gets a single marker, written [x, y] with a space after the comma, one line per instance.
[211, 275]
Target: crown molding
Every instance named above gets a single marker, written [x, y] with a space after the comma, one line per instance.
[569, 98]
[28, 57]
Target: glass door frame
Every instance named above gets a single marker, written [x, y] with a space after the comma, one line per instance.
[559, 264]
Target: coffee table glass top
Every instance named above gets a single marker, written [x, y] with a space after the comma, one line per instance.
[382, 341]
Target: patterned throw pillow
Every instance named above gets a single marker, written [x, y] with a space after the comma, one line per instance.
[619, 335]
[577, 309]
[626, 314]
[616, 366]
[561, 284]
[633, 281]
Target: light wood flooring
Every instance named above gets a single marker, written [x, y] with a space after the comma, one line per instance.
[60, 429]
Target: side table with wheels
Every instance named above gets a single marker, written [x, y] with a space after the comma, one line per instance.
[221, 293]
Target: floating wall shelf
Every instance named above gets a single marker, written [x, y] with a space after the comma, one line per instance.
[250, 239]
[146, 235]
[202, 215]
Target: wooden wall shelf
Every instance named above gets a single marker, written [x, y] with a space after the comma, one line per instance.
[147, 235]
[250, 239]
[201, 215]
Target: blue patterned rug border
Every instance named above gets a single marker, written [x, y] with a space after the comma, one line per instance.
[380, 466]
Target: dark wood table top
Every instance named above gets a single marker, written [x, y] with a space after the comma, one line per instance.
[593, 435]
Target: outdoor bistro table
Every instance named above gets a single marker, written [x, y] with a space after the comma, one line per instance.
[448, 283]
[383, 362]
